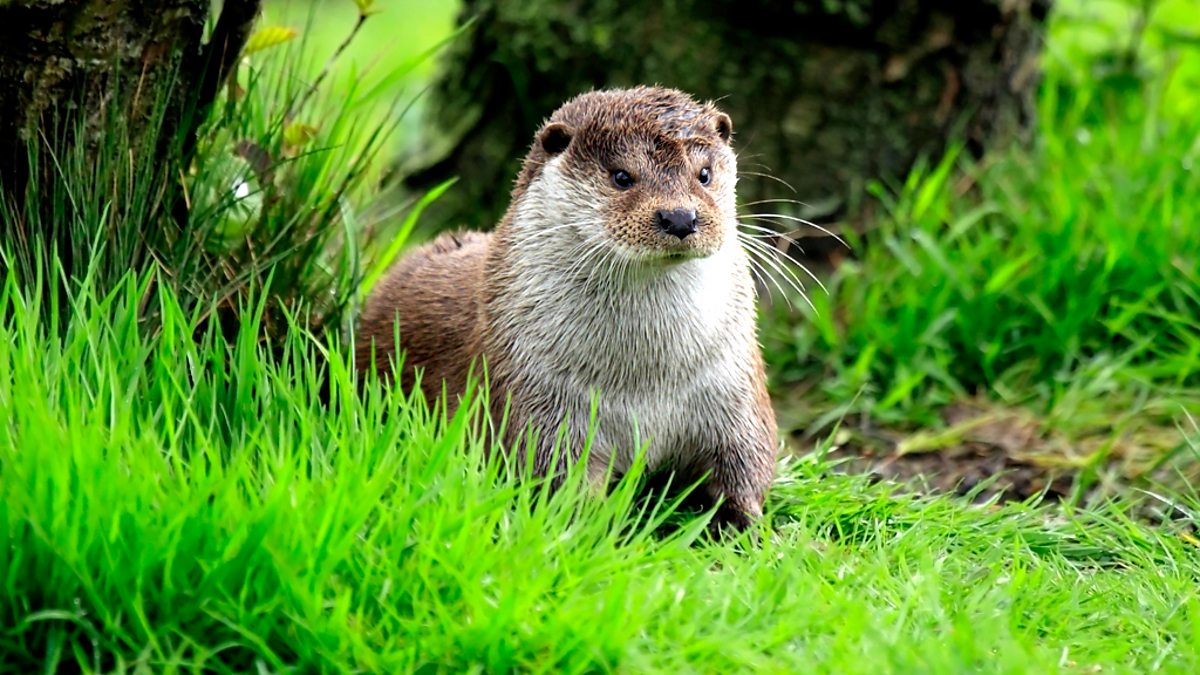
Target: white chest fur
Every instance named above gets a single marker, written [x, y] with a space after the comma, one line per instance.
[662, 350]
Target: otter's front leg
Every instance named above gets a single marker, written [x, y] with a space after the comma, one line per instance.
[740, 473]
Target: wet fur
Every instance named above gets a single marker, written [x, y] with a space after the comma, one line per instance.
[575, 296]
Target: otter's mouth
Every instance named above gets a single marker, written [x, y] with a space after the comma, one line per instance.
[674, 256]
[674, 253]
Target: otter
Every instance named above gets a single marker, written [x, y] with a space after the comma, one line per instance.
[616, 278]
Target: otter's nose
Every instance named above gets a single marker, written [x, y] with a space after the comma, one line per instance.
[677, 222]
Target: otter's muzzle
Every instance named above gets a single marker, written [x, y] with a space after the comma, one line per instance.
[676, 222]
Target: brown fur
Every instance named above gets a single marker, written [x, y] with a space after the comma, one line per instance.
[433, 289]
[552, 323]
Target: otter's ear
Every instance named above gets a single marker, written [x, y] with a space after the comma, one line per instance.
[555, 137]
[724, 126]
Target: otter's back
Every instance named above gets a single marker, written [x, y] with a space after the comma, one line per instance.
[431, 294]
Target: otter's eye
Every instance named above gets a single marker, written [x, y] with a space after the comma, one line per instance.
[622, 179]
[705, 176]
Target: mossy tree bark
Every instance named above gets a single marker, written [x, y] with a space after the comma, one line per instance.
[825, 95]
[74, 73]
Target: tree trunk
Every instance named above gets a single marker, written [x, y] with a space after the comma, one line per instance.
[825, 96]
[76, 73]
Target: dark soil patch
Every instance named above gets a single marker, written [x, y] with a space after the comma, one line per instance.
[984, 451]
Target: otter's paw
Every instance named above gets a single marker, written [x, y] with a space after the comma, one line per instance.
[731, 519]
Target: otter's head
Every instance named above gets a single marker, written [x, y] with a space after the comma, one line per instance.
[647, 173]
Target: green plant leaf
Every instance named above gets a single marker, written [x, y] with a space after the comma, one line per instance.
[265, 38]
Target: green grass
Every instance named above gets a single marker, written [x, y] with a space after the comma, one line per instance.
[1074, 254]
[1060, 276]
[175, 505]
[175, 500]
